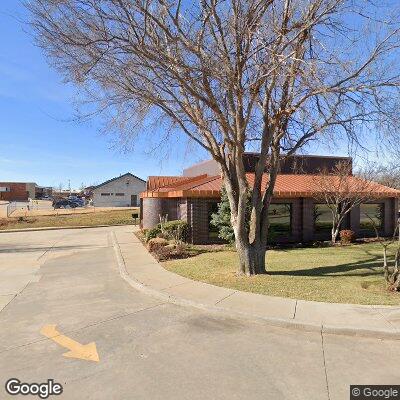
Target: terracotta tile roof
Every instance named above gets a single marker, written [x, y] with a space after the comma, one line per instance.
[287, 186]
[158, 182]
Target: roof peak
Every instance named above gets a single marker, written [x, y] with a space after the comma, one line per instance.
[118, 177]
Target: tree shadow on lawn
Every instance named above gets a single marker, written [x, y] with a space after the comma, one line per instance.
[373, 265]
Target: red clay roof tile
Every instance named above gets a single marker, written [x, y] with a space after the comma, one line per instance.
[289, 186]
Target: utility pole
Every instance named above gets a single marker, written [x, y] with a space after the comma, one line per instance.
[69, 186]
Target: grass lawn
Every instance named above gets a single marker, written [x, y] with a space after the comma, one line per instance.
[348, 274]
[121, 217]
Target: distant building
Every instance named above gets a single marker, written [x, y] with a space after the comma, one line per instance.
[42, 191]
[64, 193]
[122, 191]
[17, 191]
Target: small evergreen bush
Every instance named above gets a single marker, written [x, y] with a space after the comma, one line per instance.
[222, 218]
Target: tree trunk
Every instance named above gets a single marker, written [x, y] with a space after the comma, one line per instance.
[251, 251]
[251, 257]
[335, 233]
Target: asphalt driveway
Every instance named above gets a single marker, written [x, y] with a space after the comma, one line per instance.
[148, 349]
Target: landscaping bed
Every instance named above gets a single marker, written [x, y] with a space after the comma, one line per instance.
[119, 217]
[169, 249]
[339, 274]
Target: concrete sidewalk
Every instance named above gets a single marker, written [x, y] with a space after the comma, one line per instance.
[143, 272]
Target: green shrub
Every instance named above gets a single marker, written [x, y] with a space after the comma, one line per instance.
[152, 233]
[222, 218]
[176, 230]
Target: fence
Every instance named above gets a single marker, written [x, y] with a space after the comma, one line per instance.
[40, 208]
[26, 206]
[11, 207]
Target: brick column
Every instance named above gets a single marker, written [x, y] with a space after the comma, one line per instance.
[297, 220]
[355, 220]
[396, 203]
[308, 219]
[391, 209]
[152, 209]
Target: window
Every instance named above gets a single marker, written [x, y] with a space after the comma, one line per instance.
[322, 218]
[280, 219]
[105, 194]
[120, 194]
[374, 211]
[212, 230]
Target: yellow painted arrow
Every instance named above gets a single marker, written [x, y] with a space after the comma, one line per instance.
[76, 350]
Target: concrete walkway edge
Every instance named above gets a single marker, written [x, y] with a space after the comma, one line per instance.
[334, 327]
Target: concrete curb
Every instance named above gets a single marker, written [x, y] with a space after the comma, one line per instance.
[276, 322]
[53, 228]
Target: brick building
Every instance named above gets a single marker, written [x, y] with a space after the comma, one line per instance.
[295, 216]
[17, 191]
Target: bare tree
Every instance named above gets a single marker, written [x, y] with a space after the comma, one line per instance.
[389, 175]
[391, 273]
[342, 192]
[273, 74]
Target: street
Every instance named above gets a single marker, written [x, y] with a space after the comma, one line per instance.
[148, 349]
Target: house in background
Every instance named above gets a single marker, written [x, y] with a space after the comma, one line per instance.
[122, 191]
[295, 215]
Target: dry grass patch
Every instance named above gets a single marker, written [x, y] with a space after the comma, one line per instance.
[122, 217]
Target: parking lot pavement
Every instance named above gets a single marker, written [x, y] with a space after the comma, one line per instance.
[149, 349]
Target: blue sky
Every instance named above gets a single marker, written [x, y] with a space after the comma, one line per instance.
[39, 139]
[40, 142]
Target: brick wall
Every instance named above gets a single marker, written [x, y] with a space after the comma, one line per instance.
[183, 209]
[396, 206]
[305, 164]
[18, 191]
[152, 208]
[355, 220]
[198, 220]
[307, 219]
[195, 212]
[390, 217]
